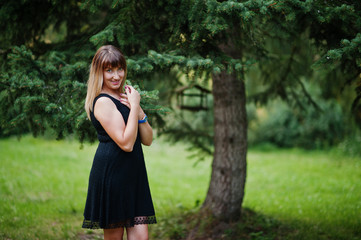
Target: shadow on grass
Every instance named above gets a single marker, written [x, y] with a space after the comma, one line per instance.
[199, 225]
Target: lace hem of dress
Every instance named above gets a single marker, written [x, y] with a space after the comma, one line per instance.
[125, 223]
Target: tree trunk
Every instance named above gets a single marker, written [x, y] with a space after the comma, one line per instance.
[226, 189]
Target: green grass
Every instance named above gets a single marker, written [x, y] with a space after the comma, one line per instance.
[318, 193]
[42, 188]
[43, 185]
[304, 195]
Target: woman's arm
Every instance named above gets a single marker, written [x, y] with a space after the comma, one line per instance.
[145, 130]
[113, 123]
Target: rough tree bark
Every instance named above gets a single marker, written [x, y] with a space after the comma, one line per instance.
[226, 189]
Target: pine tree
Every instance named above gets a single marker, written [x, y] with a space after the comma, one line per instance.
[43, 82]
[236, 35]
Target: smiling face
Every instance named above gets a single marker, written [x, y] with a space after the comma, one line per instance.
[108, 72]
[110, 69]
[113, 78]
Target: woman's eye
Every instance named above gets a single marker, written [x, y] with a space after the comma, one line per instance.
[108, 70]
[120, 69]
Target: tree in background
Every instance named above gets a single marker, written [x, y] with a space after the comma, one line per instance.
[43, 82]
[271, 36]
[44, 71]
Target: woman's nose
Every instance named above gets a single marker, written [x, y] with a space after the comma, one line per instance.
[116, 75]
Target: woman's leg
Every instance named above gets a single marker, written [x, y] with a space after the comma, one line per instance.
[138, 232]
[113, 234]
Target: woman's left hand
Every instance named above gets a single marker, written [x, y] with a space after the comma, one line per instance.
[124, 101]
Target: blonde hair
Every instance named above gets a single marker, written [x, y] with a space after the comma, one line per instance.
[106, 56]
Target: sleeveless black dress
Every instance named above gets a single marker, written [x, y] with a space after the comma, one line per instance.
[118, 191]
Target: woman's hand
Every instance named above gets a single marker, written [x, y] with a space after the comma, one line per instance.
[145, 130]
[124, 100]
[132, 97]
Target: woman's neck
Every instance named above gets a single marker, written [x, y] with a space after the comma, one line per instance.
[114, 94]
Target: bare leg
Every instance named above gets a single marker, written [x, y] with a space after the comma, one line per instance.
[113, 234]
[138, 232]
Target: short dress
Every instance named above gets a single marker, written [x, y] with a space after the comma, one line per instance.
[118, 191]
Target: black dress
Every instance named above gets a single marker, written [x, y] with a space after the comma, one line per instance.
[118, 192]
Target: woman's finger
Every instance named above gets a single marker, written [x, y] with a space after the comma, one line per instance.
[132, 95]
[129, 89]
[123, 96]
[124, 100]
[125, 103]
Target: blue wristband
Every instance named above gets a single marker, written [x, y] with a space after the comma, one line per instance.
[144, 119]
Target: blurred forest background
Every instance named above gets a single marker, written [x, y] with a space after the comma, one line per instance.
[217, 77]
[304, 86]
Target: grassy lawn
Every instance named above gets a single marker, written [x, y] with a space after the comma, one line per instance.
[312, 195]
[317, 193]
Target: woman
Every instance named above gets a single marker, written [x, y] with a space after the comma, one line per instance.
[118, 193]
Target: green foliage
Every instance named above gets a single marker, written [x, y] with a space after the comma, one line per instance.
[33, 101]
[25, 21]
[44, 87]
[350, 145]
[45, 57]
[195, 130]
[313, 129]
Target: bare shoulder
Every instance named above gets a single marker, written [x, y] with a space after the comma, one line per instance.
[103, 100]
[104, 106]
